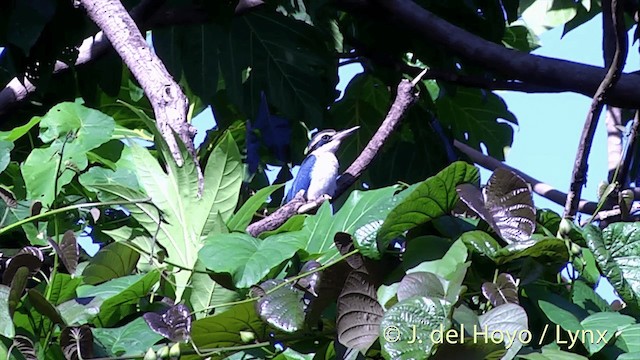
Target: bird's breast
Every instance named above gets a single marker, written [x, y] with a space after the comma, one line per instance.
[323, 176]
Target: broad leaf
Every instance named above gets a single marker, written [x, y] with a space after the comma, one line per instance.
[246, 258]
[241, 219]
[6, 322]
[617, 252]
[225, 329]
[131, 339]
[503, 291]
[432, 198]
[473, 116]
[112, 261]
[359, 313]
[72, 130]
[506, 203]
[421, 284]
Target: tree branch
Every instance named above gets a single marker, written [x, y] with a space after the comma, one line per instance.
[405, 97]
[511, 64]
[578, 177]
[167, 98]
[147, 14]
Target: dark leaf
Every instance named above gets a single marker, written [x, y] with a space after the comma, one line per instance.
[311, 282]
[8, 198]
[359, 313]
[27, 260]
[67, 251]
[36, 207]
[35, 251]
[506, 203]
[18, 284]
[77, 342]
[174, 323]
[25, 346]
[275, 131]
[503, 291]
[344, 244]
[44, 307]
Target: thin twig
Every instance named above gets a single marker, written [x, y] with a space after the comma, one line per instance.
[579, 174]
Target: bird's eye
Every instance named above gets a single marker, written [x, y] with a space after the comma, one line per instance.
[325, 137]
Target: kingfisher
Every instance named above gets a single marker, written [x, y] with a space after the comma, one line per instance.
[319, 170]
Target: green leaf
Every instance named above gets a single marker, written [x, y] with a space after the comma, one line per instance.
[481, 243]
[509, 321]
[45, 307]
[242, 218]
[284, 307]
[124, 290]
[629, 339]
[72, 130]
[18, 132]
[422, 314]
[552, 250]
[541, 16]
[6, 321]
[432, 198]
[246, 258]
[585, 297]
[224, 329]
[288, 60]
[552, 354]
[112, 261]
[204, 292]
[186, 219]
[5, 154]
[133, 338]
[617, 252]
[520, 38]
[63, 288]
[599, 328]
[473, 115]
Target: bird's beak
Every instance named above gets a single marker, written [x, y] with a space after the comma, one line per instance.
[344, 133]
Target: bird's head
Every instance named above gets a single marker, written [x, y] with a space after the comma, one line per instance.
[328, 140]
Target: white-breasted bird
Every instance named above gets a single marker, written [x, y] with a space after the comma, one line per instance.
[319, 170]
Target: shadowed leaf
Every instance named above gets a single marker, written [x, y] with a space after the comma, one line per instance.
[420, 284]
[44, 306]
[174, 323]
[27, 260]
[503, 291]
[25, 346]
[506, 203]
[77, 342]
[359, 313]
[110, 262]
[67, 250]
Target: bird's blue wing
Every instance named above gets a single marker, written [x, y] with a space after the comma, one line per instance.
[303, 178]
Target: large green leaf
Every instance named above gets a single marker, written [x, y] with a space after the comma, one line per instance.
[118, 292]
[186, 219]
[225, 329]
[473, 115]
[617, 252]
[551, 250]
[432, 198]
[133, 338]
[72, 130]
[246, 258]
[112, 261]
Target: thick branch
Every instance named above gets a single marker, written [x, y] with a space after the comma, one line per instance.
[167, 98]
[405, 97]
[540, 188]
[511, 64]
[579, 174]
